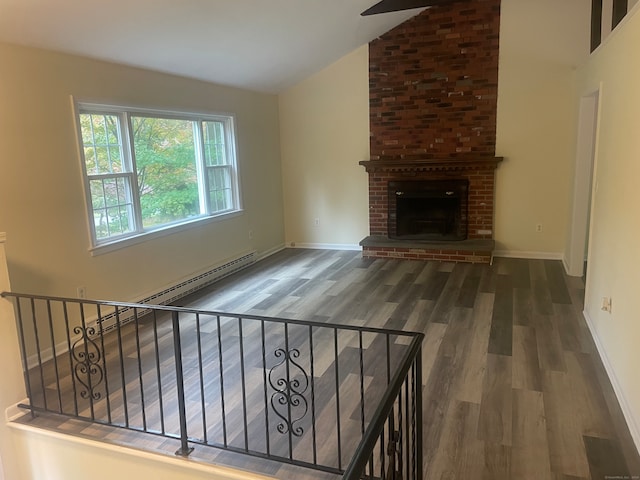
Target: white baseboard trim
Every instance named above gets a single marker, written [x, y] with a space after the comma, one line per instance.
[198, 280]
[162, 296]
[530, 255]
[325, 246]
[632, 422]
[575, 273]
[271, 251]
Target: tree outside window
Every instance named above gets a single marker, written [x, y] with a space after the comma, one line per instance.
[150, 170]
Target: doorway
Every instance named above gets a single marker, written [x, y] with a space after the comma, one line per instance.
[578, 241]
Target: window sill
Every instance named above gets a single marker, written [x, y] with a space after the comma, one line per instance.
[161, 232]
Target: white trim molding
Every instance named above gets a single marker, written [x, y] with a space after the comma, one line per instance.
[3, 237]
[326, 246]
[271, 251]
[13, 412]
[632, 422]
[529, 255]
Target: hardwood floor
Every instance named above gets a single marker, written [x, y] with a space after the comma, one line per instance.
[513, 386]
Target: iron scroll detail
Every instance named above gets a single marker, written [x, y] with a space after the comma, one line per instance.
[288, 400]
[87, 369]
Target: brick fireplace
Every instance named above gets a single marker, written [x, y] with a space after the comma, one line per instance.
[433, 100]
[478, 244]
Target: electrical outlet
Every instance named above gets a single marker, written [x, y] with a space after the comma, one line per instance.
[316, 222]
[539, 227]
[606, 304]
[81, 292]
[250, 234]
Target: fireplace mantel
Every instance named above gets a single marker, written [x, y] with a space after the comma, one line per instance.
[431, 164]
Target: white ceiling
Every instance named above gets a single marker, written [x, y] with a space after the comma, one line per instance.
[263, 45]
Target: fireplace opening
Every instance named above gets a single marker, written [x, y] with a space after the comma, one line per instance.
[428, 210]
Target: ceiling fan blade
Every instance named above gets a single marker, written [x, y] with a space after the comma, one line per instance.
[386, 6]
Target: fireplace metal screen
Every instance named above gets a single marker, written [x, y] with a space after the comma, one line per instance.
[433, 210]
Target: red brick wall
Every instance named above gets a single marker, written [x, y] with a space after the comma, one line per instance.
[453, 255]
[433, 83]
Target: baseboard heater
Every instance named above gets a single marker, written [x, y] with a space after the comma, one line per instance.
[175, 292]
[108, 321]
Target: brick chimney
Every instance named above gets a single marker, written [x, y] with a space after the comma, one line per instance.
[433, 84]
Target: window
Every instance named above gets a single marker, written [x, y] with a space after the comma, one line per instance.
[149, 170]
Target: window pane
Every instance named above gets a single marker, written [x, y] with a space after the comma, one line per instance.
[114, 154]
[112, 207]
[102, 144]
[97, 194]
[167, 173]
[184, 168]
[220, 196]
[214, 146]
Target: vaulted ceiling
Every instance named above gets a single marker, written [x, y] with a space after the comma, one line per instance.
[263, 45]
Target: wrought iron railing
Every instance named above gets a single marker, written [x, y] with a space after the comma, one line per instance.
[338, 398]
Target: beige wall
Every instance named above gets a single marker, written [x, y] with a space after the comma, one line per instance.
[324, 133]
[41, 197]
[614, 250]
[536, 134]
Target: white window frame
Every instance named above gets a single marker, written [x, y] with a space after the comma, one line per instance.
[139, 233]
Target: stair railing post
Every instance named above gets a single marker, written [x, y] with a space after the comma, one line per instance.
[418, 419]
[184, 449]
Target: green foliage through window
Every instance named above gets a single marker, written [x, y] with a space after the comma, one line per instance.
[167, 169]
[148, 170]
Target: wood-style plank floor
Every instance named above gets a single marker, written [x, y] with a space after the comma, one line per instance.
[513, 385]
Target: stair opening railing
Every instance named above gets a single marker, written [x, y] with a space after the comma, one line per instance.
[337, 398]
